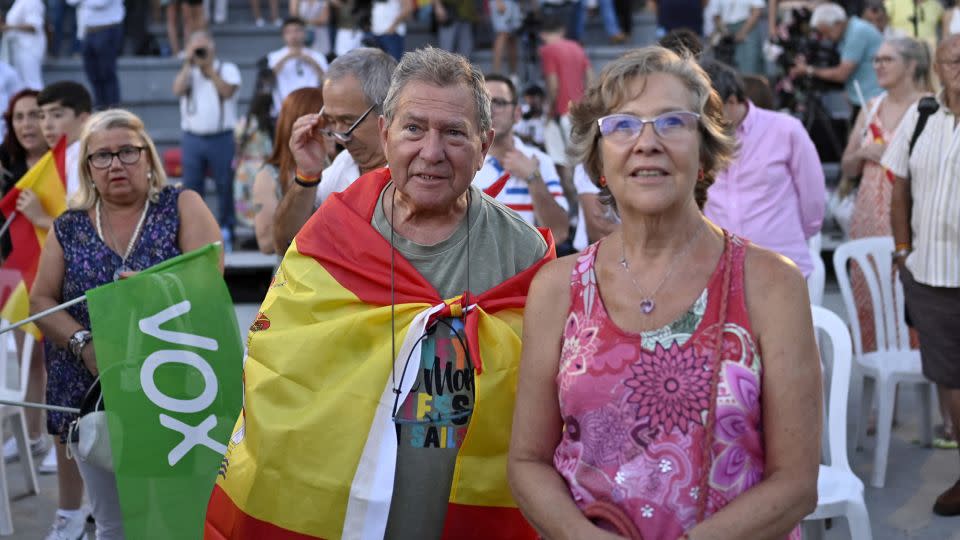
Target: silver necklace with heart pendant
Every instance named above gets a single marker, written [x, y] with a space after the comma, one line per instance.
[647, 303]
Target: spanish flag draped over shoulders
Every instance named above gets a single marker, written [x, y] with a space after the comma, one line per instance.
[47, 179]
[313, 454]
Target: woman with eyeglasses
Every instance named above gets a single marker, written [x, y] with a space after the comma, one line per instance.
[644, 406]
[123, 219]
[279, 169]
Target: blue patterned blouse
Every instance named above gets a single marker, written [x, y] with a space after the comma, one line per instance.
[89, 263]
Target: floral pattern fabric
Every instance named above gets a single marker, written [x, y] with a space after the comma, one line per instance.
[89, 263]
[256, 151]
[871, 217]
[635, 405]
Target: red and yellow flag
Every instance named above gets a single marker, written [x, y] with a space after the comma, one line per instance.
[314, 451]
[47, 179]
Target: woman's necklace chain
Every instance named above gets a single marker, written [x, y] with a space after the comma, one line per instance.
[133, 238]
[647, 303]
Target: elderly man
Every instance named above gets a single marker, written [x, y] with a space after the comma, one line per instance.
[925, 215]
[381, 372]
[353, 95]
[533, 189]
[858, 41]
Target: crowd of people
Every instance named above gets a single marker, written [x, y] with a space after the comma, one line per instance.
[631, 365]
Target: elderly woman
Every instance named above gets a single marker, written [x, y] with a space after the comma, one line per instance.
[903, 70]
[772, 195]
[123, 219]
[634, 413]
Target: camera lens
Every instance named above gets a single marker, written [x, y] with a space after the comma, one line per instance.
[200, 53]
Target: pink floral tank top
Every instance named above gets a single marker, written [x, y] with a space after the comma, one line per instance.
[637, 407]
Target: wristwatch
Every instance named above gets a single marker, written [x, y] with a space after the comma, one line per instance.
[902, 253]
[78, 340]
[809, 71]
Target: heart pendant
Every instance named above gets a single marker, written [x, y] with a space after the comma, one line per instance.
[120, 270]
[646, 306]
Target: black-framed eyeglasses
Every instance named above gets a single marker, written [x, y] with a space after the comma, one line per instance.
[345, 136]
[626, 128]
[128, 155]
[501, 103]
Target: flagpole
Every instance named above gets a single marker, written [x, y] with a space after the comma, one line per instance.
[6, 224]
[44, 406]
[43, 314]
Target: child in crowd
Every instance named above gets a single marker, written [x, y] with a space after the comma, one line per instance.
[64, 109]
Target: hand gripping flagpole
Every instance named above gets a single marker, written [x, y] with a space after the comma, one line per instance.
[43, 314]
[28, 320]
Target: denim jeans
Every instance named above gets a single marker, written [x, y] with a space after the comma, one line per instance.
[214, 153]
[60, 14]
[391, 44]
[609, 15]
[100, 51]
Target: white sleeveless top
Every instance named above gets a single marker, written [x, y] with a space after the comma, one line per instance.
[954, 21]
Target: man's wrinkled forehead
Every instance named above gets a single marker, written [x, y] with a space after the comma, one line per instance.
[949, 49]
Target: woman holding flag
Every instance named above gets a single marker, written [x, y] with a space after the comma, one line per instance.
[124, 218]
[21, 149]
[903, 71]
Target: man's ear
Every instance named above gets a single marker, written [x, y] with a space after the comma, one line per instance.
[384, 128]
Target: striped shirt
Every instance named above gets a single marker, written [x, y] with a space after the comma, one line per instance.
[516, 194]
[934, 172]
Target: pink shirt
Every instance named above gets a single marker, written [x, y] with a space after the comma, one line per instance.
[773, 193]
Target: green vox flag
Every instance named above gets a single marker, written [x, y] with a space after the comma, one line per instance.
[170, 359]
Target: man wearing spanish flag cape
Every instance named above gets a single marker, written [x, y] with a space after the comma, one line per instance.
[381, 373]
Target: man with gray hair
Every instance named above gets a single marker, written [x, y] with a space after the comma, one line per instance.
[382, 369]
[924, 157]
[858, 41]
[353, 92]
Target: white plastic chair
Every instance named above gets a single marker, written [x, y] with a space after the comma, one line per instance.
[18, 419]
[817, 280]
[839, 491]
[893, 362]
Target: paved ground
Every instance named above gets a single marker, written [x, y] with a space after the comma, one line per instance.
[901, 510]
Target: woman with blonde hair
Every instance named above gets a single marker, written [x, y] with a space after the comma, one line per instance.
[124, 218]
[278, 171]
[644, 406]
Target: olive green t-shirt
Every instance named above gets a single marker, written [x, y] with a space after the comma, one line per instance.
[432, 422]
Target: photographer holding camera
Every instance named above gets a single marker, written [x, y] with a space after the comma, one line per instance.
[858, 42]
[207, 88]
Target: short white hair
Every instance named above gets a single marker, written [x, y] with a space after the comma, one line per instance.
[827, 14]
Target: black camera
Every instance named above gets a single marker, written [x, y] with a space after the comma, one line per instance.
[200, 53]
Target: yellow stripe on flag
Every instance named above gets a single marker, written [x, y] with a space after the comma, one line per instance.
[17, 308]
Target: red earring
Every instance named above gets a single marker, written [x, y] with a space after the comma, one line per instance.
[603, 181]
[700, 175]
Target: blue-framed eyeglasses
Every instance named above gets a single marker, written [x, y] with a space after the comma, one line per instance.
[625, 128]
[345, 136]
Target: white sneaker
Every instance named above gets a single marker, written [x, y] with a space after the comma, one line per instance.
[260, 22]
[65, 528]
[49, 463]
[38, 448]
[278, 22]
